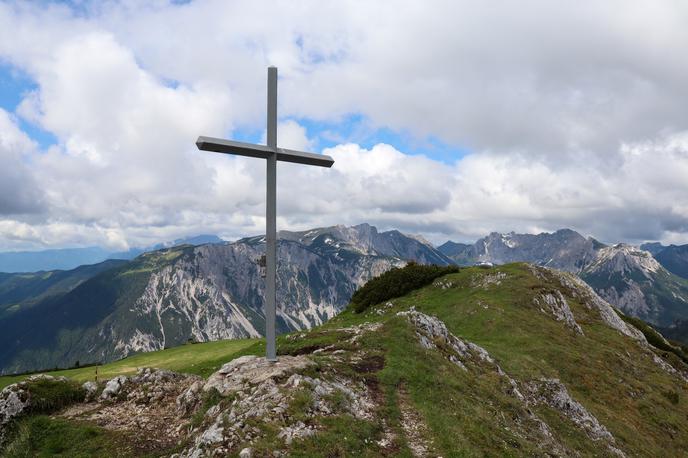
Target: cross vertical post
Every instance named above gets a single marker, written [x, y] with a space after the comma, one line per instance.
[271, 153]
[271, 220]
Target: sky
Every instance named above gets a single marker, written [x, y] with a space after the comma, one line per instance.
[450, 119]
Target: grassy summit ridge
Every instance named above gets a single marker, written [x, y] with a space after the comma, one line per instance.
[427, 403]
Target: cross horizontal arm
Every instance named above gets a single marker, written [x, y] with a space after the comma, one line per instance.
[219, 145]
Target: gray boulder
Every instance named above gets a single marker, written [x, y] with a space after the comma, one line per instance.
[91, 389]
[113, 388]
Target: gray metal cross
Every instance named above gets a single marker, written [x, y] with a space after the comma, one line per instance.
[272, 154]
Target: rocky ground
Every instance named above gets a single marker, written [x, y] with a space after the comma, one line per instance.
[250, 400]
[247, 401]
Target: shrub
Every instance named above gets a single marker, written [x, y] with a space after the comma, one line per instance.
[397, 282]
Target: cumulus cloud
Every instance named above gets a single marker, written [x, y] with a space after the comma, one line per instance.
[19, 191]
[573, 115]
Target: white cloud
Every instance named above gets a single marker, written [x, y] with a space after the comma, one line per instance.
[19, 192]
[574, 116]
[291, 135]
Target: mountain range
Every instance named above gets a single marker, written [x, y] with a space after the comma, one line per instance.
[212, 291]
[629, 278]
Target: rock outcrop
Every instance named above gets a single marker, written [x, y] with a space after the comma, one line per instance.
[433, 334]
[13, 401]
[17, 399]
[142, 407]
[254, 390]
[590, 299]
[553, 393]
[249, 370]
[554, 303]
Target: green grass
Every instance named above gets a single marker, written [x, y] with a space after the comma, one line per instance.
[470, 414]
[341, 436]
[42, 436]
[201, 359]
[50, 395]
[654, 337]
[300, 404]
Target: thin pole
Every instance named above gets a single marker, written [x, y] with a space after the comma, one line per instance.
[271, 220]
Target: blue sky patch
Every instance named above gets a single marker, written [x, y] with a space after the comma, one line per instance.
[360, 130]
[44, 138]
[14, 84]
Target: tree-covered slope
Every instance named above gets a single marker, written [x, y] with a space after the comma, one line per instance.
[25, 289]
[56, 331]
[510, 361]
[677, 331]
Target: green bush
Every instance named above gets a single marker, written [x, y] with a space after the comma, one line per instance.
[396, 283]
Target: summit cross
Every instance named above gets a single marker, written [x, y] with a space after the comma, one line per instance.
[271, 153]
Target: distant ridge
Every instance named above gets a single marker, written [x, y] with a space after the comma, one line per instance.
[71, 258]
[674, 259]
[59, 259]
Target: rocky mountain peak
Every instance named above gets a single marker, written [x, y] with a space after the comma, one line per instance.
[625, 259]
[564, 249]
[365, 239]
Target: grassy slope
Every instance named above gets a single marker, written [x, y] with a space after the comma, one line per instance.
[43, 436]
[470, 413]
[202, 359]
[643, 407]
